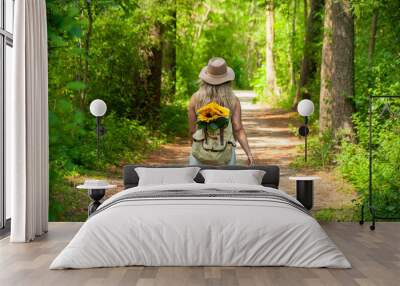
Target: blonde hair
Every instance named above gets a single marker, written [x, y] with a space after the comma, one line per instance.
[221, 94]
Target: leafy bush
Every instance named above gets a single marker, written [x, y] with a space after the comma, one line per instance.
[347, 213]
[116, 65]
[173, 119]
[65, 202]
[353, 164]
[127, 140]
[320, 149]
[351, 159]
[73, 149]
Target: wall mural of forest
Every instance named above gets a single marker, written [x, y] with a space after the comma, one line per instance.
[142, 57]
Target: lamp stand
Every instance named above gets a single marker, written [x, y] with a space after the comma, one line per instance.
[100, 130]
[305, 138]
[98, 137]
[305, 108]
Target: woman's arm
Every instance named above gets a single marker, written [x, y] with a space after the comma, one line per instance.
[192, 117]
[239, 133]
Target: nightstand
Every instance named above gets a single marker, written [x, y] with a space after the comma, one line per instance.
[305, 190]
[96, 191]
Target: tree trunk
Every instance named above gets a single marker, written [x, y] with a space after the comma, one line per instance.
[155, 67]
[169, 53]
[173, 55]
[311, 51]
[250, 59]
[337, 68]
[305, 11]
[292, 46]
[372, 39]
[269, 52]
[203, 22]
[87, 50]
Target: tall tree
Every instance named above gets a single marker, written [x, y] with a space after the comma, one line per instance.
[292, 46]
[169, 51]
[372, 38]
[89, 10]
[203, 22]
[251, 43]
[337, 68]
[269, 49]
[155, 59]
[311, 50]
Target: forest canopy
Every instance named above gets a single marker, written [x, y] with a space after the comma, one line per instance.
[143, 57]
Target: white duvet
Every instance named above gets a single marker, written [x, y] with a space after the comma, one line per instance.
[200, 231]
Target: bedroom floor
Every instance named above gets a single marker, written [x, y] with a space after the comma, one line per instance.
[375, 257]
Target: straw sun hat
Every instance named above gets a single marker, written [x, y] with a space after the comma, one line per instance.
[217, 72]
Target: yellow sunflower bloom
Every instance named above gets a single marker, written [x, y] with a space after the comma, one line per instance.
[203, 110]
[207, 117]
[222, 111]
[211, 111]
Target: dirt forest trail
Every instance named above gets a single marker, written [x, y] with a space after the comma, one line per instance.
[272, 142]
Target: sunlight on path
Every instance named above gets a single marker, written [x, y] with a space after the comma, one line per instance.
[272, 143]
[268, 132]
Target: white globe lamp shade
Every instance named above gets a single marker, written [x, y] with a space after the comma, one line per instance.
[98, 108]
[305, 107]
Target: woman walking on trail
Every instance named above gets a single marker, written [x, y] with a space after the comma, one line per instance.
[215, 121]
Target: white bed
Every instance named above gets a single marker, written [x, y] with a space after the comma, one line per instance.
[206, 230]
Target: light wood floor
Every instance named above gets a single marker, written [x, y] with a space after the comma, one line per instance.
[375, 257]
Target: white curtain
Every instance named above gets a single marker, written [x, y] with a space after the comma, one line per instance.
[27, 124]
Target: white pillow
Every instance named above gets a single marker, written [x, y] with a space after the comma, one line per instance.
[166, 176]
[248, 177]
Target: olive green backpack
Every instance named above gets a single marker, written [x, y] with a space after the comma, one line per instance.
[213, 147]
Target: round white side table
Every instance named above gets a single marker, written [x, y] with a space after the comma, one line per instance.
[96, 193]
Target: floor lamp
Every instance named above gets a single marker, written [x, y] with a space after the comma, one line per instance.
[98, 108]
[305, 108]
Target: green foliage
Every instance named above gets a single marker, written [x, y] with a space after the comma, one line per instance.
[353, 164]
[320, 149]
[134, 140]
[379, 77]
[343, 214]
[173, 119]
[113, 62]
[258, 83]
[214, 125]
[375, 74]
[116, 61]
[288, 51]
[229, 29]
[65, 202]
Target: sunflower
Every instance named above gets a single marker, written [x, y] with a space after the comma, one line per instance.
[211, 112]
[207, 117]
[212, 116]
[220, 110]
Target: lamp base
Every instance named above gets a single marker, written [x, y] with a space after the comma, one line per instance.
[96, 195]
